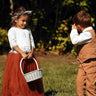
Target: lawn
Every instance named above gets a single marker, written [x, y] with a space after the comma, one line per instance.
[59, 74]
[2, 62]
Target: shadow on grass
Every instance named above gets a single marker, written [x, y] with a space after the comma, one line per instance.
[50, 93]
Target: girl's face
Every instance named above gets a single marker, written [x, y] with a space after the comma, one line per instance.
[21, 22]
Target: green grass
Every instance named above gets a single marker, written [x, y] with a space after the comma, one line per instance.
[59, 75]
[2, 63]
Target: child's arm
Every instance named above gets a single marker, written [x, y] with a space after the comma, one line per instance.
[13, 42]
[32, 46]
[31, 53]
[31, 39]
[24, 55]
[81, 38]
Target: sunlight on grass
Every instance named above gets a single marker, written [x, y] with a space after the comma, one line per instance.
[58, 75]
[2, 63]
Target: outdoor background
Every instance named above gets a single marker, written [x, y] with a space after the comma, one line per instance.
[50, 22]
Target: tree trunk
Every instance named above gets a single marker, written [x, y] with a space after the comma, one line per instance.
[11, 7]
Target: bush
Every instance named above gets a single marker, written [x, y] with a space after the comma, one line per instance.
[61, 39]
[3, 41]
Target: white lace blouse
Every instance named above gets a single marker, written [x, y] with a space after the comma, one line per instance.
[21, 38]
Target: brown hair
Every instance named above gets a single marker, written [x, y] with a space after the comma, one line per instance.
[82, 18]
[19, 10]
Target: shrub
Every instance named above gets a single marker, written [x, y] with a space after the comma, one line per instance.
[3, 41]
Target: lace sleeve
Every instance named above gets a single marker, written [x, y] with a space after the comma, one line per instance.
[12, 38]
[31, 39]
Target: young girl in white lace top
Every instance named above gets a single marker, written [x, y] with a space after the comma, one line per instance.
[22, 46]
[20, 37]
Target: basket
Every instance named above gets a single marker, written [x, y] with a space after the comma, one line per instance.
[33, 75]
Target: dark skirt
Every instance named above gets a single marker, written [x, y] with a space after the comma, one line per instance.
[14, 83]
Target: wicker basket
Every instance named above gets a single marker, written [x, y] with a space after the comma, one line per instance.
[33, 75]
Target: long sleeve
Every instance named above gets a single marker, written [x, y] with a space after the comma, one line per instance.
[32, 40]
[78, 39]
[12, 38]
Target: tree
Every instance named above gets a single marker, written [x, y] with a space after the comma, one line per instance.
[50, 21]
[11, 7]
[4, 13]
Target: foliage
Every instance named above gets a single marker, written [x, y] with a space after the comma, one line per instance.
[3, 40]
[4, 13]
[62, 37]
[3, 36]
[74, 51]
[50, 21]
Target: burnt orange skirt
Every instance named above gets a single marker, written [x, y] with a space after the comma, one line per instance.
[14, 83]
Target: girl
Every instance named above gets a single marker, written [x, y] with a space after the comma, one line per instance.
[22, 46]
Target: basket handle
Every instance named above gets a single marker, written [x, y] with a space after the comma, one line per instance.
[22, 61]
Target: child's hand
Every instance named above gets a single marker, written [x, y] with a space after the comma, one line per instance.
[24, 55]
[30, 55]
[74, 26]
